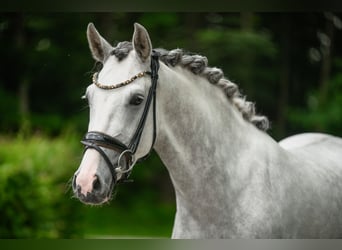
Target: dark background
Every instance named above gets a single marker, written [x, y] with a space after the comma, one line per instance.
[288, 63]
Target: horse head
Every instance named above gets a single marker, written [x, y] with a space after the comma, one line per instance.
[121, 126]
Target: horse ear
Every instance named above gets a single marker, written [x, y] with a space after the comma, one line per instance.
[99, 47]
[141, 42]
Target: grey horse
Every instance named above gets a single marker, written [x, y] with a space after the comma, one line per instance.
[231, 179]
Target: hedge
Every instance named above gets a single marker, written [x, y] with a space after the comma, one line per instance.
[35, 196]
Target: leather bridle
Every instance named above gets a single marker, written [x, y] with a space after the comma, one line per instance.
[98, 140]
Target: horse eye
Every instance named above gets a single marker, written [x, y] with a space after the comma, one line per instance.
[136, 100]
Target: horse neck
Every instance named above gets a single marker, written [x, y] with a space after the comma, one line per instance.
[206, 145]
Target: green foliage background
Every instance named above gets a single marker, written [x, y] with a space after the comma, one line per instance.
[33, 188]
[290, 64]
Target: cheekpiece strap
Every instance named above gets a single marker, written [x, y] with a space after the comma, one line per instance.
[97, 140]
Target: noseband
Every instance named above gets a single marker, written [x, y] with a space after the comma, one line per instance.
[97, 140]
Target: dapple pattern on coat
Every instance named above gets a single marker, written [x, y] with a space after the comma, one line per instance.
[198, 65]
[231, 179]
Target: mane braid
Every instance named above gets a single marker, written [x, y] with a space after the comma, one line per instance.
[198, 65]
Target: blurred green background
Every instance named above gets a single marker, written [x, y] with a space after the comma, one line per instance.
[290, 64]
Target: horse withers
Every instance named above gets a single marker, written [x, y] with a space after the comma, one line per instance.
[231, 179]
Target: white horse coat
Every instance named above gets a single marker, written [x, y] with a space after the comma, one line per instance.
[231, 179]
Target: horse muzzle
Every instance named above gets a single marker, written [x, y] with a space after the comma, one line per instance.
[96, 179]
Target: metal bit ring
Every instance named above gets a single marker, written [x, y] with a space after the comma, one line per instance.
[132, 161]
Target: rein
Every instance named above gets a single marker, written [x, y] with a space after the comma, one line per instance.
[98, 140]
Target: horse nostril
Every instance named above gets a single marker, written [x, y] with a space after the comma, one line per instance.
[96, 183]
[74, 186]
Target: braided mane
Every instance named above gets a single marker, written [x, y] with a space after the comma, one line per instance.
[198, 65]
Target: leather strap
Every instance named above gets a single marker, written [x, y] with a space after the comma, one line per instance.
[96, 140]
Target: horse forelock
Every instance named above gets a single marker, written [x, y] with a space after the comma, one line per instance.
[122, 50]
[198, 65]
